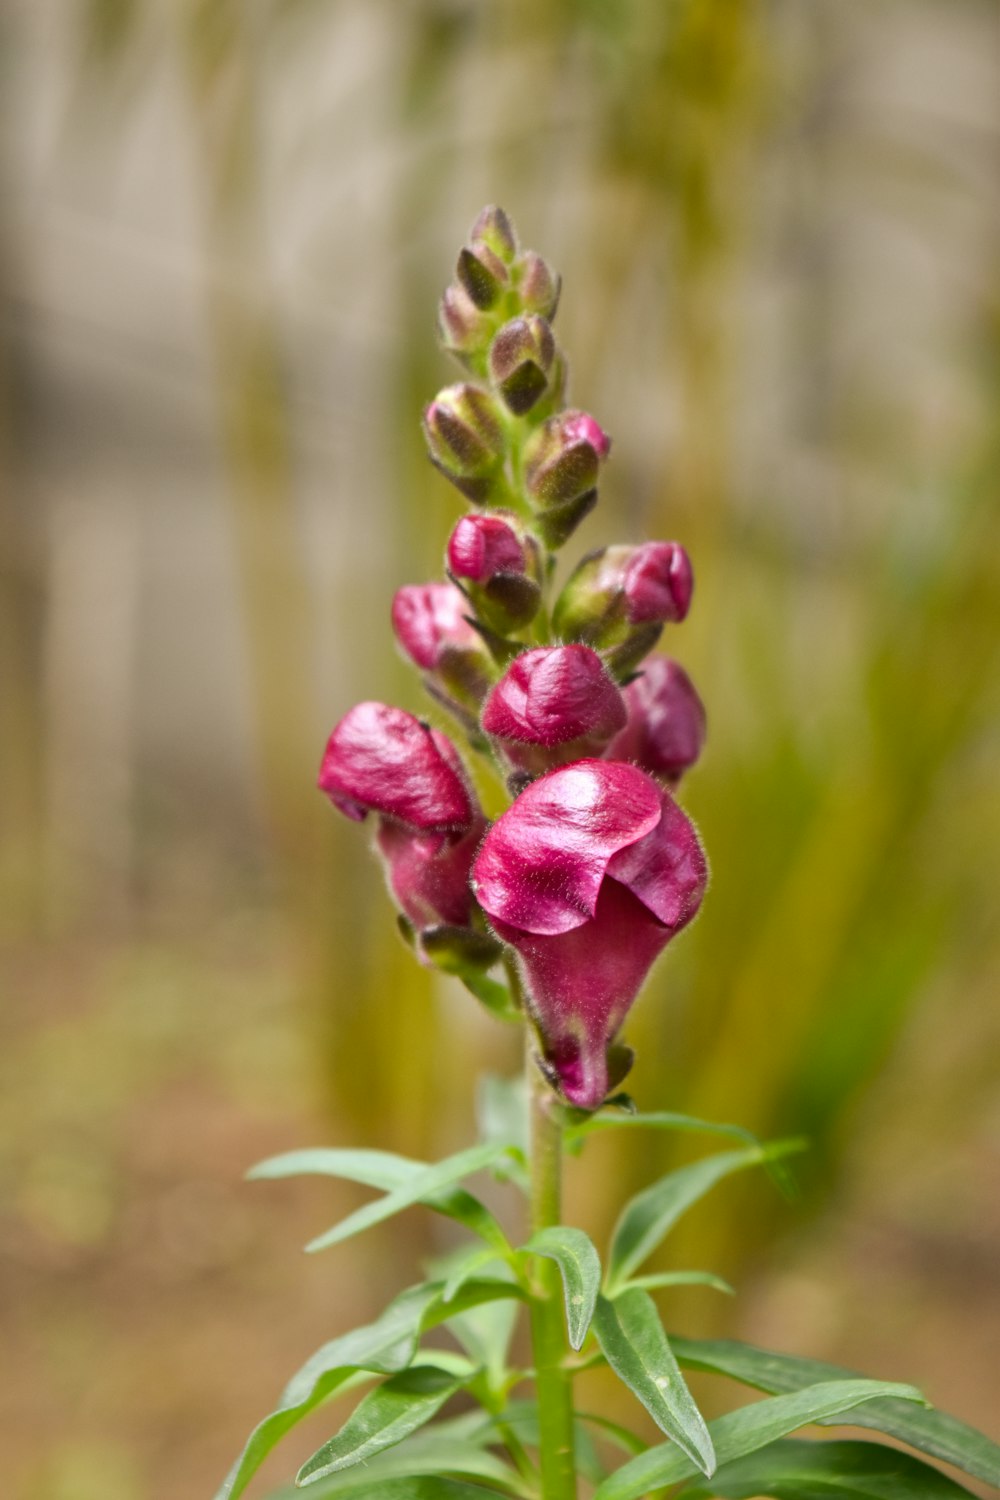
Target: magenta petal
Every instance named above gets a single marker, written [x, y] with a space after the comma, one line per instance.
[666, 721]
[382, 759]
[580, 985]
[552, 695]
[666, 870]
[429, 872]
[658, 582]
[428, 618]
[482, 546]
[542, 863]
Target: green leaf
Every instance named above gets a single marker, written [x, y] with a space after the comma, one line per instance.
[931, 1431]
[384, 1347]
[580, 1129]
[464, 1267]
[797, 1469]
[502, 1110]
[680, 1278]
[650, 1215]
[746, 1430]
[580, 1267]
[635, 1346]
[383, 1418]
[493, 995]
[445, 1449]
[385, 1170]
[622, 1437]
[422, 1185]
[413, 1487]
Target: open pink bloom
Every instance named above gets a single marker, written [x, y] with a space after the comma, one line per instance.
[429, 619]
[666, 721]
[553, 703]
[383, 760]
[588, 876]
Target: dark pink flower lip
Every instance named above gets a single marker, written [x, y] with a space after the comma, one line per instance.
[658, 582]
[382, 759]
[554, 695]
[429, 619]
[541, 864]
[588, 876]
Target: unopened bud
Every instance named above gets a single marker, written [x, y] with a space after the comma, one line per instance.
[465, 439]
[483, 274]
[666, 722]
[521, 358]
[497, 232]
[537, 285]
[553, 704]
[493, 564]
[463, 330]
[429, 623]
[563, 458]
[620, 587]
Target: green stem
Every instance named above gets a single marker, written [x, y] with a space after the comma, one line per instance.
[548, 1329]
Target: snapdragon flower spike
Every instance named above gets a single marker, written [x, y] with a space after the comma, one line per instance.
[553, 704]
[666, 721]
[491, 562]
[588, 876]
[466, 441]
[618, 599]
[562, 461]
[430, 624]
[384, 761]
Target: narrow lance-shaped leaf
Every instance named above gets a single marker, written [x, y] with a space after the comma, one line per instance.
[416, 1487]
[746, 1430]
[650, 1215]
[931, 1431]
[635, 1346]
[387, 1171]
[796, 1469]
[580, 1267]
[384, 1347]
[383, 1418]
[422, 1185]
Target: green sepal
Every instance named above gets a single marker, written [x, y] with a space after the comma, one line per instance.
[745, 1431]
[580, 1268]
[634, 1344]
[493, 995]
[646, 1220]
[459, 950]
[931, 1431]
[797, 1469]
[387, 1415]
[389, 1172]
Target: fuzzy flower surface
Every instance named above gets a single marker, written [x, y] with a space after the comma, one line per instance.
[588, 876]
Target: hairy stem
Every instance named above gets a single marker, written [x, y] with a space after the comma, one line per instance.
[548, 1332]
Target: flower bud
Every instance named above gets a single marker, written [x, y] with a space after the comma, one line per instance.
[666, 722]
[619, 588]
[537, 284]
[563, 458]
[496, 231]
[552, 705]
[521, 357]
[492, 562]
[465, 439]
[483, 274]
[463, 330]
[429, 623]
[382, 759]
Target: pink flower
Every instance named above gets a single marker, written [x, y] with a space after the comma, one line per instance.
[657, 581]
[666, 721]
[429, 619]
[588, 876]
[553, 703]
[383, 760]
[482, 546]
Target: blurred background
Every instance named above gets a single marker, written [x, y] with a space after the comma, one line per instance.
[224, 228]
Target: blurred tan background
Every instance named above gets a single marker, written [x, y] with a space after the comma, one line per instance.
[224, 227]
